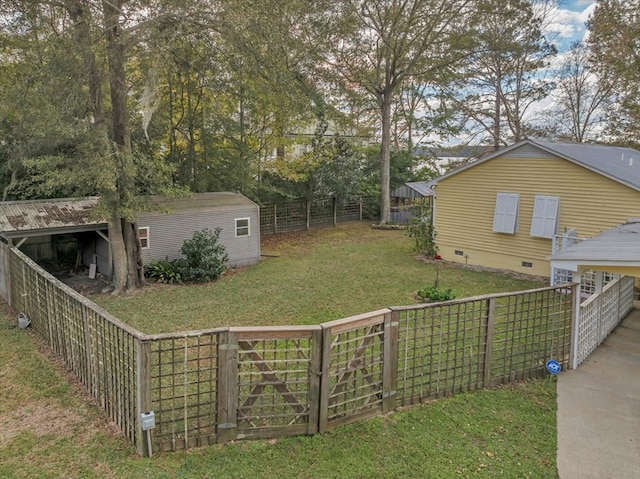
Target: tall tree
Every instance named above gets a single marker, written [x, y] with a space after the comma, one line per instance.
[96, 38]
[382, 44]
[615, 44]
[502, 77]
[581, 101]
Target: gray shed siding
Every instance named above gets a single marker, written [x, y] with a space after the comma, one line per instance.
[168, 232]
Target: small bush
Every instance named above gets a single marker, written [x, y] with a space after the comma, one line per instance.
[421, 229]
[165, 271]
[433, 293]
[205, 258]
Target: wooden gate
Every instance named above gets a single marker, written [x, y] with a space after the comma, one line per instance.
[359, 367]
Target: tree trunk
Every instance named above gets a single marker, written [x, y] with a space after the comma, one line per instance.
[385, 176]
[119, 254]
[123, 237]
[496, 112]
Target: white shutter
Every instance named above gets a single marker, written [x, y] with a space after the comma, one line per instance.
[545, 216]
[506, 213]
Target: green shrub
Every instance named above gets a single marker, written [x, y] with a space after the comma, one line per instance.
[165, 271]
[205, 258]
[433, 293]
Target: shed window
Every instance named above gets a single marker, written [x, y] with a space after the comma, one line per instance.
[545, 216]
[505, 217]
[242, 227]
[143, 234]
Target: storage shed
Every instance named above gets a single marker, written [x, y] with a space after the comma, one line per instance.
[162, 235]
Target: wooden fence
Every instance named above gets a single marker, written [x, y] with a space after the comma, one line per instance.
[224, 384]
[298, 215]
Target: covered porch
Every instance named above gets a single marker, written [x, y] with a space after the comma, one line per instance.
[610, 262]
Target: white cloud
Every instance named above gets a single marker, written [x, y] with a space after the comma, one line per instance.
[566, 26]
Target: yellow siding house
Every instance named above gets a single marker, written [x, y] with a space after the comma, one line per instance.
[503, 210]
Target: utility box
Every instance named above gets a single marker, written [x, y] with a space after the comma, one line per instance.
[148, 420]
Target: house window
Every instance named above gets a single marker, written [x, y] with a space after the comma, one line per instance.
[505, 217]
[242, 227]
[545, 216]
[143, 234]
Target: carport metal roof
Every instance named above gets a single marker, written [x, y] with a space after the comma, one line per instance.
[20, 219]
[616, 250]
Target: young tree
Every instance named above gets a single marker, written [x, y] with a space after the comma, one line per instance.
[381, 44]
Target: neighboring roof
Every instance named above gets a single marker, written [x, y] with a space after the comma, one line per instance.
[468, 151]
[68, 215]
[617, 163]
[618, 246]
[25, 217]
[413, 189]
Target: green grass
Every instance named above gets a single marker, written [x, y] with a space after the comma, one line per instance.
[49, 428]
[318, 276]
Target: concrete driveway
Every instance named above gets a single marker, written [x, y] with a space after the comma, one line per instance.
[599, 409]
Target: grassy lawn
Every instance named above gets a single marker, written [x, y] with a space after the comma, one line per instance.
[307, 278]
[48, 428]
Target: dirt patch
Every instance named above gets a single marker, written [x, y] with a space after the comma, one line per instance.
[486, 269]
[40, 419]
[83, 284]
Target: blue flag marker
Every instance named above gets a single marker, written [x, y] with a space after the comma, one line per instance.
[553, 366]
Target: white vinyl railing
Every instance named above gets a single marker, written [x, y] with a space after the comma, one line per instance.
[599, 315]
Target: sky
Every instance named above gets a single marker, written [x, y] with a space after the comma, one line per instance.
[567, 24]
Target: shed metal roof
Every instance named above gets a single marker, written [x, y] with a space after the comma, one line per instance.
[413, 189]
[204, 201]
[615, 162]
[619, 246]
[23, 217]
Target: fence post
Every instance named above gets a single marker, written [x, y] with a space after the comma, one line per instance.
[275, 218]
[308, 210]
[488, 338]
[575, 324]
[227, 386]
[390, 361]
[360, 208]
[87, 349]
[323, 413]
[143, 379]
[315, 374]
[335, 211]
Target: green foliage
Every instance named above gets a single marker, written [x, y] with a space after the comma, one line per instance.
[421, 229]
[206, 258]
[165, 271]
[434, 293]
